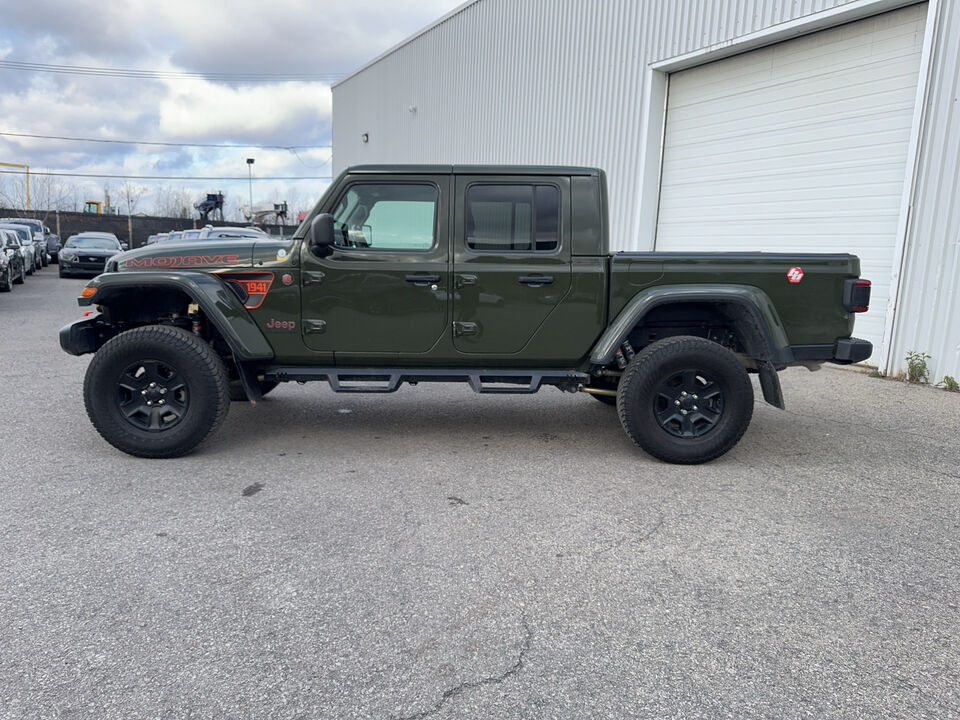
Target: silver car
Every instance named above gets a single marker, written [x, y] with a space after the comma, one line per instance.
[37, 234]
[28, 250]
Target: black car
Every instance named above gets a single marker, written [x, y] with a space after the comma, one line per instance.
[11, 261]
[53, 243]
[87, 253]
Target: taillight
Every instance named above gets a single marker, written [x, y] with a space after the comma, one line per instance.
[856, 295]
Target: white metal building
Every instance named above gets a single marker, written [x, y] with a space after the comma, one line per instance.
[778, 125]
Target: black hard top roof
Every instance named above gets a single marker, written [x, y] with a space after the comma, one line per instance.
[476, 169]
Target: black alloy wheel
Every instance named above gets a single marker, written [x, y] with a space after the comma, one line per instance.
[685, 400]
[689, 404]
[156, 391]
[22, 278]
[152, 395]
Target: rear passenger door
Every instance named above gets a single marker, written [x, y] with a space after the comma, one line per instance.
[511, 264]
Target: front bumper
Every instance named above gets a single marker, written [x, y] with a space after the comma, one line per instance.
[82, 336]
[82, 264]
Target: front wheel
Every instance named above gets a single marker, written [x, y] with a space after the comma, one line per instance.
[156, 391]
[685, 400]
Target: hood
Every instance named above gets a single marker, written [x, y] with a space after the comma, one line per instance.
[94, 252]
[209, 255]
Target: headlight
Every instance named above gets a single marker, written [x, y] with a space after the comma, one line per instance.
[68, 255]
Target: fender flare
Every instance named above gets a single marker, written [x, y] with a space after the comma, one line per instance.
[220, 305]
[765, 331]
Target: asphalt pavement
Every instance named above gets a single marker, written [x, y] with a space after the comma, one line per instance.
[439, 554]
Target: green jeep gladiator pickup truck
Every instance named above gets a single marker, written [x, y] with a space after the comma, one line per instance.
[500, 277]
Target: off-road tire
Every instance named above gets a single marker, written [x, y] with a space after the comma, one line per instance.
[645, 404]
[198, 372]
[237, 393]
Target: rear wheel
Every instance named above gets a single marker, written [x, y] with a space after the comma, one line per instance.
[156, 391]
[6, 282]
[685, 400]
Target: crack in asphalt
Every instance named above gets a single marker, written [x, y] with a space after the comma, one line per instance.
[492, 680]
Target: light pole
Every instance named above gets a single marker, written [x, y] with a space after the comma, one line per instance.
[250, 178]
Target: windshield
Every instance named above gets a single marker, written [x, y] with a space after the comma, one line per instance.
[34, 225]
[23, 232]
[99, 243]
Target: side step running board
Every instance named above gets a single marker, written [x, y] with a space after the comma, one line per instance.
[387, 380]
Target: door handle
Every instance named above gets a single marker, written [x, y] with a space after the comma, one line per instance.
[535, 280]
[422, 280]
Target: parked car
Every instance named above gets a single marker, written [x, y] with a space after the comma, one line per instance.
[37, 235]
[53, 243]
[212, 233]
[86, 253]
[172, 236]
[190, 234]
[28, 250]
[11, 260]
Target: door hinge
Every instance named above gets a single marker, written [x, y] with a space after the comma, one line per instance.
[313, 277]
[314, 327]
[464, 280]
[465, 328]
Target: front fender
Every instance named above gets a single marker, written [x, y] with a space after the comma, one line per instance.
[220, 305]
[751, 299]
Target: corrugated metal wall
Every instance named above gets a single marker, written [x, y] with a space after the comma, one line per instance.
[928, 316]
[536, 81]
[563, 82]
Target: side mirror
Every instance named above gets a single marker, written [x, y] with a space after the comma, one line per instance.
[321, 233]
[124, 246]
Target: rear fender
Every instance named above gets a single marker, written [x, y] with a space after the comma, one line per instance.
[755, 317]
[219, 304]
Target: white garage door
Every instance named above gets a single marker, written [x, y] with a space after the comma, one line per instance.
[797, 147]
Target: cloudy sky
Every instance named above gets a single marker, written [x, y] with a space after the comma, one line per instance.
[311, 44]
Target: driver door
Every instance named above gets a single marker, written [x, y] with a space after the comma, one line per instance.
[381, 291]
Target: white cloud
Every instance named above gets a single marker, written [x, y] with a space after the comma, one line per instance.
[243, 36]
[204, 110]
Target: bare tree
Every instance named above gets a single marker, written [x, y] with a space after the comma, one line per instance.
[130, 194]
[48, 194]
[171, 202]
